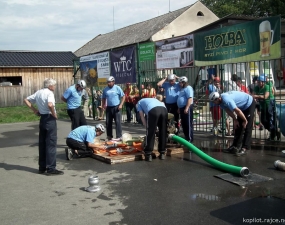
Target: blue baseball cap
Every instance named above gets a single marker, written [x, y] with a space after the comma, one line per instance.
[262, 78]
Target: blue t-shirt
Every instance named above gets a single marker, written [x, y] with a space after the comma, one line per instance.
[113, 95]
[73, 97]
[147, 104]
[171, 92]
[83, 134]
[236, 99]
[184, 95]
[212, 88]
[211, 71]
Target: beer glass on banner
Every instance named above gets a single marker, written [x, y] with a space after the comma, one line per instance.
[266, 38]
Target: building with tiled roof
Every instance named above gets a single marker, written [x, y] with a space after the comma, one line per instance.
[23, 72]
[36, 59]
[172, 24]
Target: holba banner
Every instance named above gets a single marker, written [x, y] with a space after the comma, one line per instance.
[246, 42]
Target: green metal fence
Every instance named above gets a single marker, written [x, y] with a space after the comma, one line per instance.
[148, 74]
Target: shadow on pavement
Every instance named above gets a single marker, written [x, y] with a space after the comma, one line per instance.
[17, 167]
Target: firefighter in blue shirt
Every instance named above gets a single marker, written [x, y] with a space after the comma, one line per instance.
[73, 96]
[156, 116]
[240, 106]
[81, 140]
[185, 105]
[114, 96]
[171, 92]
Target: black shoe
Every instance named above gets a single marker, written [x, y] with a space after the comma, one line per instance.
[260, 127]
[278, 135]
[148, 158]
[241, 152]
[231, 149]
[68, 154]
[42, 171]
[228, 150]
[54, 172]
[161, 156]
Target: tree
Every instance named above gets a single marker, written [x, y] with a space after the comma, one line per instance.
[258, 8]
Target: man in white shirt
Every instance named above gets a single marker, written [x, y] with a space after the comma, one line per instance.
[44, 99]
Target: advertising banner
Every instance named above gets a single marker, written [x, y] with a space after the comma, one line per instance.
[95, 69]
[123, 66]
[246, 42]
[146, 51]
[174, 52]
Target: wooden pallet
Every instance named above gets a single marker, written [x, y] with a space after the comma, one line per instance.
[104, 157]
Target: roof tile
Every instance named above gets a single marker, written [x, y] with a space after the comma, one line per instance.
[37, 59]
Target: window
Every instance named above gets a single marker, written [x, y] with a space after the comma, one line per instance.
[200, 13]
[10, 81]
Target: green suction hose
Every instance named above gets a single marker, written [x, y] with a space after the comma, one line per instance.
[243, 171]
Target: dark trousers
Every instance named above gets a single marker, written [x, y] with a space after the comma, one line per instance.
[187, 123]
[47, 143]
[268, 118]
[242, 136]
[81, 147]
[157, 117]
[129, 108]
[77, 117]
[112, 112]
[138, 117]
[172, 108]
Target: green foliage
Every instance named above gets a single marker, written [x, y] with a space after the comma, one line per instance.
[24, 114]
[258, 8]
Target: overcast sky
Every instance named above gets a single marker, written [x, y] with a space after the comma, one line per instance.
[66, 25]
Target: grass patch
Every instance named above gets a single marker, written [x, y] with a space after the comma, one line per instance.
[24, 114]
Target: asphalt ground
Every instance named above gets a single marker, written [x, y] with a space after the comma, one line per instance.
[182, 189]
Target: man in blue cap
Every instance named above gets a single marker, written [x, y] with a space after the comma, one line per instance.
[240, 106]
[264, 94]
[156, 116]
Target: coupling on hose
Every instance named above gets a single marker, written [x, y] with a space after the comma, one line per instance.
[244, 172]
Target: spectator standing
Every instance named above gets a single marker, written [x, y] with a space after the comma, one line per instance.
[128, 102]
[185, 108]
[161, 92]
[241, 86]
[215, 109]
[211, 72]
[135, 97]
[251, 88]
[171, 92]
[263, 93]
[231, 85]
[72, 96]
[240, 106]
[100, 110]
[203, 76]
[85, 101]
[145, 92]
[115, 98]
[151, 91]
[45, 101]
[156, 116]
